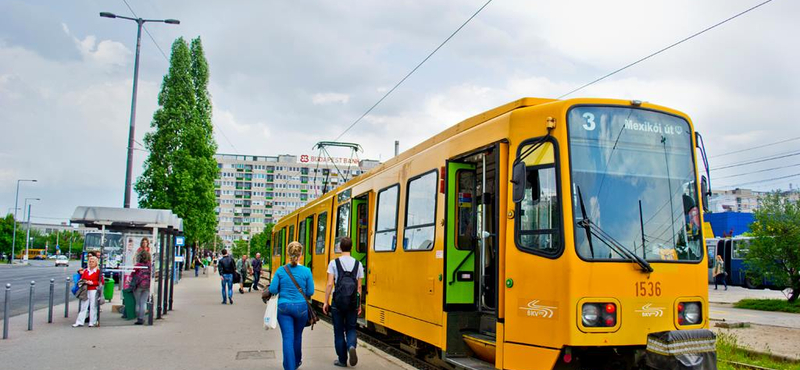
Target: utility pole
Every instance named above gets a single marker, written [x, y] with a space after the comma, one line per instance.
[129, 167]
[16, 207]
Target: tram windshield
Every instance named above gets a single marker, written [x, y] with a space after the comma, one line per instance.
[635, 172]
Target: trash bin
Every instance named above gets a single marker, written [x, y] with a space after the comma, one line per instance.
[108, 289]
[129, 305]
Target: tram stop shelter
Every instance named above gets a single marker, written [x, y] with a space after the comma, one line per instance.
[130, 226]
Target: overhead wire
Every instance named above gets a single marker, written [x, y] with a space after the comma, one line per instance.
[755, 147]
[759, 160]
[759, 171]
[167, 59]
[665, 49]
[412, 71]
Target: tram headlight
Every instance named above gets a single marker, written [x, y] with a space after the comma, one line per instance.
[590, 313]
[692, 313]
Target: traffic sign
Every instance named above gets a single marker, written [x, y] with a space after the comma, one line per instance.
[180, 241]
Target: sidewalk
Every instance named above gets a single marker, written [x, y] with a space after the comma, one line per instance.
[736, 293]
[200, 333]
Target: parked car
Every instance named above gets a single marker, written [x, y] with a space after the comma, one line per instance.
[62, 261]
[52, 257]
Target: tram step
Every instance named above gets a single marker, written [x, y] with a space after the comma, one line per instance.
[362, 322]
[483, 346]
[469, 363]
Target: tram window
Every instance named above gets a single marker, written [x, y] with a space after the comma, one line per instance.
[539, 213]
[421, 212]
[361, 233]
[342, 226]
[291, 234]
[301, 233]
[386, 219]
[740, 248]
[322, 225]
[466, 211]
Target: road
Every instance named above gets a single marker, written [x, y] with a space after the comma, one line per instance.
[20, 278]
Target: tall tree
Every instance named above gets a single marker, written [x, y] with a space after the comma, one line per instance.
[7, 233]
[775, 252]
[180, 170]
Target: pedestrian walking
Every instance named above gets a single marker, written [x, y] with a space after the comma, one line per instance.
[91, 278]
[140, 284]
[242, 266]
[256, 265]
[197, 263]
[719, 272]
[226, 268]
[345, 276]
[295, 285]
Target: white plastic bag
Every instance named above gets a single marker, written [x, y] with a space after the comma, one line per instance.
[271, 314]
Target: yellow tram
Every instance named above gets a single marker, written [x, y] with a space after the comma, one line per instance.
[542, 234]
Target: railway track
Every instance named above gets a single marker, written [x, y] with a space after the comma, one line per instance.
[743, 366]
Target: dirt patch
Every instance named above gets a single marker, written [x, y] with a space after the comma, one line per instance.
[770, 339]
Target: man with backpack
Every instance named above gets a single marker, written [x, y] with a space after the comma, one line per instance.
[346, 274]
[226, 269]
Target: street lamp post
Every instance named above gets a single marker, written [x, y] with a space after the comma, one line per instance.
[129, 167]
[28, 236]
[16, 207]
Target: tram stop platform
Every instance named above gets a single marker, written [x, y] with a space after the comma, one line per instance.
[200, 333]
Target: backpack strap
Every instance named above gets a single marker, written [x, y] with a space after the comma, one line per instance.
[339, 267]
[355, 269]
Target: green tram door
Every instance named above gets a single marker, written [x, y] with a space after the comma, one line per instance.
[359, 231]
[460, 236]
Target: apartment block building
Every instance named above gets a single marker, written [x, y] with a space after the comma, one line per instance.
[254, 190]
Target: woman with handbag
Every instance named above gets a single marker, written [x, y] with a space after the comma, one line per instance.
[140, 285]
[719, 272]
[295, 285]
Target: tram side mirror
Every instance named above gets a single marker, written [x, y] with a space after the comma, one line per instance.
[518, 177]
[704, 191]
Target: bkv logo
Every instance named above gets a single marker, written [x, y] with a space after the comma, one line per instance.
[649, 311]
[533, 309]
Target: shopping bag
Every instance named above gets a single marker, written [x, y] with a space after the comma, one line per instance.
[271, 314]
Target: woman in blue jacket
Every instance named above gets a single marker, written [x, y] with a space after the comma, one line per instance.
[292, 305]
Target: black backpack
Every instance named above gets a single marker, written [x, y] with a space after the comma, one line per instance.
[345, 296]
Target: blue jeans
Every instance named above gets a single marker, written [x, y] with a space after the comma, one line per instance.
[344, 331]
[227, 280]
[292, 318]
[196, 269]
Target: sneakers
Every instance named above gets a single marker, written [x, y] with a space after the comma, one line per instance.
[230, 300]
[351, 353]
[224, 302]
[91, 325]
[339, 364]
[76, 325]
[139, 322]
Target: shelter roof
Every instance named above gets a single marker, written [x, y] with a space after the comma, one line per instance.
[126, 218]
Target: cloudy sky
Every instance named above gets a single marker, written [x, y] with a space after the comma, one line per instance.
[286, 74]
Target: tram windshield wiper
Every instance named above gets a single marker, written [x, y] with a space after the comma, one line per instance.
[592, 229]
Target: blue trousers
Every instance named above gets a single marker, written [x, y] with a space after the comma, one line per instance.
[344, 331]
[292, 318]
[227, 280]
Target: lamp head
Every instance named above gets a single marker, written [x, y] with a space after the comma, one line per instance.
[172, 21]
[107, 15]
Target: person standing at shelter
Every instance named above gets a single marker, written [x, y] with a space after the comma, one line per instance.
[242, 266]
[197, 263]
[226, 268]
[719, 272]
[91, 277]
[256, 264]
[345, 274]
[140, 284]
[295, 285]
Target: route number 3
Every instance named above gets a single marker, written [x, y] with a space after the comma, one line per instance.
[589, 125]
[648, 289]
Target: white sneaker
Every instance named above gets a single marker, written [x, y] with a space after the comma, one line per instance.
[76, 325]
[91, 325]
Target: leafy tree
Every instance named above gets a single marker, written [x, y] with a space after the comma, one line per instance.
[180, 170]
[239, 248]
[775, 252]
[258, 243]
[7, 233]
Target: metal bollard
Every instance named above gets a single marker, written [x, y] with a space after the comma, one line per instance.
[50, 307]
[150, 310]
[66, 297]
[30, 307]
[5, 311]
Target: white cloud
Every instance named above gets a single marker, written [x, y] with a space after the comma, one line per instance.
[328, 98]
[104, 53]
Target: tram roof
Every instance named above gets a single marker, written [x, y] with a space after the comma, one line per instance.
[438, 138]
[126, 218]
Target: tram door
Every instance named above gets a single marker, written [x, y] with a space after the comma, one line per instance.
[359, 231]
[305, 237]
[461, 241]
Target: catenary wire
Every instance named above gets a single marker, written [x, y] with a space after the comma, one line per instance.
[665, 49]
[760, 160]
[764, 180]
[167, 59]
[759, 171]
[755, 147]
[412, 71]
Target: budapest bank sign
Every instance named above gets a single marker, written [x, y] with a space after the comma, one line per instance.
[305, 158]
